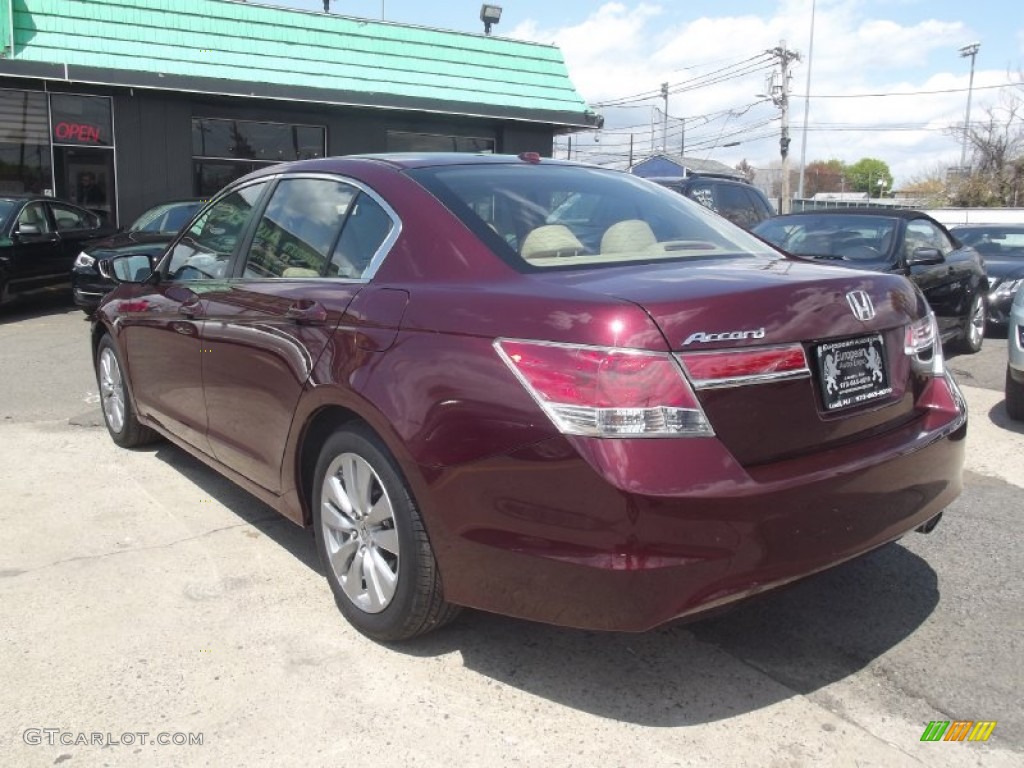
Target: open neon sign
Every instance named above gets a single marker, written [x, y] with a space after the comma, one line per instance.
[78, 132]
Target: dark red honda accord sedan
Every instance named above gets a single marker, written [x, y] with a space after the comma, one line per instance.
[538, 388]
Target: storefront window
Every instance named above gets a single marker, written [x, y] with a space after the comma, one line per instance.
[267, 142]
[225, 150]
[24, 143]
[211, 176]
[400, 141]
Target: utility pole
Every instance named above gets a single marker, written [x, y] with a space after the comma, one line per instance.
[778, 90]
[664, 119]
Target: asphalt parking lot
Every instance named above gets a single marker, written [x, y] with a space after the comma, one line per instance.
[142, 594]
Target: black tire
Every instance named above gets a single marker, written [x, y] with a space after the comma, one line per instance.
[1014, 397]
[127, 432]
[361, 542]
[973, 330]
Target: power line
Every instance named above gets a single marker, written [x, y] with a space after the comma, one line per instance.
[897, 93]
[739, 69]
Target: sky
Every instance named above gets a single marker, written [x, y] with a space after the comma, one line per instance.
[624, 51]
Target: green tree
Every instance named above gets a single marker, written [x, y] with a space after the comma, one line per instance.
[864, 175]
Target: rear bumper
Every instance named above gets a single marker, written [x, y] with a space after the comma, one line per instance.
[544, 535]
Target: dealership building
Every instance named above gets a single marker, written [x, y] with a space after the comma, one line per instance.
[121, 104]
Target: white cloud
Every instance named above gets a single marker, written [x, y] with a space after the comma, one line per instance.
[627, 48]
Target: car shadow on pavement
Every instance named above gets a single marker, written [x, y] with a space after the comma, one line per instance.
[296, 540]
[764, 651]
[997, 415]
[56, 304]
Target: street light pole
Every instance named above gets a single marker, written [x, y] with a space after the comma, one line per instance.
[807, 105]
[971, 49]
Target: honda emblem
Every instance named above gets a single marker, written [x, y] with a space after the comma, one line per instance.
[861, 305]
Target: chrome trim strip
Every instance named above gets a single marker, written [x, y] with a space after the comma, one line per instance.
[758, 378]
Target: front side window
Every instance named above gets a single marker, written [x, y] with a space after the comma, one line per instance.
[921, 233]
[205, 251]
[299, 228]
[33, 221]
[550, 216]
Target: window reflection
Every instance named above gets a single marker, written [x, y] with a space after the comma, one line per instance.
[299, 228]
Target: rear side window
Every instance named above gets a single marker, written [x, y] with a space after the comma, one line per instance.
[737, 205]
[365, 232]
[299, 229]
[69, 218]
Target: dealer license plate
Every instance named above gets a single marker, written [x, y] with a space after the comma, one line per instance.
[852, 372]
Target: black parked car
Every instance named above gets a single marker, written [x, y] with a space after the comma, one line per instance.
[1002, 247]
[741, 203]
[39, 239]
[148, 235]
[950, 274]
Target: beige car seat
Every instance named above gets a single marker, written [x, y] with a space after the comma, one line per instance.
[550, 240]
[630, 235]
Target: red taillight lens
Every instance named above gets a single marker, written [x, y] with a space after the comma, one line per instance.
[745, 366]
[606, 392]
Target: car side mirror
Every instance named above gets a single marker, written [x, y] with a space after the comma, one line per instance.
[924, 256]
[133, 268]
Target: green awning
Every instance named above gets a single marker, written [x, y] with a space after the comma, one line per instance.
[241, 49]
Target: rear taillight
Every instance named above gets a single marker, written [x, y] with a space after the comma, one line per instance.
[924, 346]
[606, 392]
[736, 367]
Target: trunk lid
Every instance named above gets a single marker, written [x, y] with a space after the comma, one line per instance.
[748, 303]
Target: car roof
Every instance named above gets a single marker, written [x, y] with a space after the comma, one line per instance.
[1015, 228]
[697, 175]
[410, 160]
[892, 213]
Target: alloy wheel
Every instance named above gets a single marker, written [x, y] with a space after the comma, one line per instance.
[976, 329]
[111, 390]
[359, 532]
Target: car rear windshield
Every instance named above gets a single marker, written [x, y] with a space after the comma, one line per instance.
[832, 236]
[550, 216]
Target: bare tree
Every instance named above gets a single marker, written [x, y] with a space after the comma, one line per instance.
[746, 169]
[997, 155]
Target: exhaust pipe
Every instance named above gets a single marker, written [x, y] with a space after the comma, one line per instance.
[929, 526]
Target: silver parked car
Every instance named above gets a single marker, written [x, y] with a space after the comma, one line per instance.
[1015, 366]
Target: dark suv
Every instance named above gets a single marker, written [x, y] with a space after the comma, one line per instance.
[740, 202]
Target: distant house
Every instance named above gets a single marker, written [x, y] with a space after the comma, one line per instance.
[678, 165]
